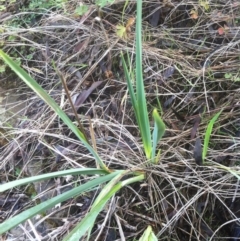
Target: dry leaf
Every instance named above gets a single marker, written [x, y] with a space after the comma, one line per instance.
[197, 153]
[46, 53]
[81, 46]
[221, 31]
[32, 69]
[154, 19]
[123, 31]
[129, 24]
[178, 115]
[194, 14]
[168, 72]
[195, 127]
[108, 74]
[85, 93]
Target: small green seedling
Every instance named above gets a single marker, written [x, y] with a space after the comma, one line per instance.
[232, 77]
[148, 235]
[208, 134]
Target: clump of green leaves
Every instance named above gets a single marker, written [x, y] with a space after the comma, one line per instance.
[2, 7]
[232, 77]
[33, 11]
[111, 178]
[138, 99]
[204, 4]
[43, 4]
[3, 4]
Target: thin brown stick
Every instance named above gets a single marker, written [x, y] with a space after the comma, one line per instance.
[71, 103]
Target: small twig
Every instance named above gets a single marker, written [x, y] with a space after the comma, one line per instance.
[71, 103]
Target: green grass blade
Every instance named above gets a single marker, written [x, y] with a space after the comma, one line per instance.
[140, 92]
[90, 218]
[231, 170]
[124, 8]
[158, 132]
[13, 222]
[25, 181]
[130, 88]
[45, 96]
[88, 221]
[208, 134]
[107, 188]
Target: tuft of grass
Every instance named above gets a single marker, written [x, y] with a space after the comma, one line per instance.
[114, 177]
[138, 98]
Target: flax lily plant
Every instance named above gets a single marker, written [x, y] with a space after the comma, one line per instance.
[111, 178]
[101, 176]
[138, 99]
